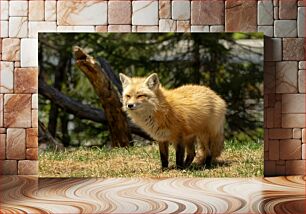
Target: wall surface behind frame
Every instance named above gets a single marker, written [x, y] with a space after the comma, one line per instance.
[282, 21]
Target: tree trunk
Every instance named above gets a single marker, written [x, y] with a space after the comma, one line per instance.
[58, 80]
[212, 71]
[116, 119]
[196, 61]
[64, 127]
[53, 113]
[108, 70]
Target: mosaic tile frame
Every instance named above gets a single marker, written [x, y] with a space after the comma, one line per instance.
[282, 21]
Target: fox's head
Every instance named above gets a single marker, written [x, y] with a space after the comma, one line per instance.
[139, 94]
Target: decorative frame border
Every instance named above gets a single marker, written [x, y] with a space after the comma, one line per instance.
[282, 21]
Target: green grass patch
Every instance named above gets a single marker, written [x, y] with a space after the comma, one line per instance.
[239, 159]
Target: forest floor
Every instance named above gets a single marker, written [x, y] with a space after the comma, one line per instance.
[237, 160]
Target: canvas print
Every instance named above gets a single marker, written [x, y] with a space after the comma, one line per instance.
[150, 104]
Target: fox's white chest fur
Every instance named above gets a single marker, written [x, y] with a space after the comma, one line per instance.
[151, 126]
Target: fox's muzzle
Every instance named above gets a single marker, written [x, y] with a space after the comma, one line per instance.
[131, 106]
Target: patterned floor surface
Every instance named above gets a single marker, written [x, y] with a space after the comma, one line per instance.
[144, 195]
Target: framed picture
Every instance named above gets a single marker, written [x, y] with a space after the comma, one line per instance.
[200, 93]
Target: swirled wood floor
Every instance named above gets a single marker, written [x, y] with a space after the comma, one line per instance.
[140, 195]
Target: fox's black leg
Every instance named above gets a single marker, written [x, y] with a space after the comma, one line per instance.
[208, 161]
[180, 154]
[164, 153]
[190, 154]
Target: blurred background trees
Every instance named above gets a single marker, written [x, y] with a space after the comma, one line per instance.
[229, 63]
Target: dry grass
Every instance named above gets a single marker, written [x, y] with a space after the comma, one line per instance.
[237, 160]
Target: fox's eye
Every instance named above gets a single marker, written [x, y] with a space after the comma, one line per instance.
[128, 96]
[141, 96]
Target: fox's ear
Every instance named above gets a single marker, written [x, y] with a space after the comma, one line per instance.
[125, 80]
[152, 81]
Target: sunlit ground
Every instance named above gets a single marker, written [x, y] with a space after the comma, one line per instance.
[237, 160]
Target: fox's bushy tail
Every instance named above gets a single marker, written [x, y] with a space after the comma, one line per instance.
[217, 139]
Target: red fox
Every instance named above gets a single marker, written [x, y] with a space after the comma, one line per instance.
[182, 116]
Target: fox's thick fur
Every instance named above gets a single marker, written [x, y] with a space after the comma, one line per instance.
[182, 116]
